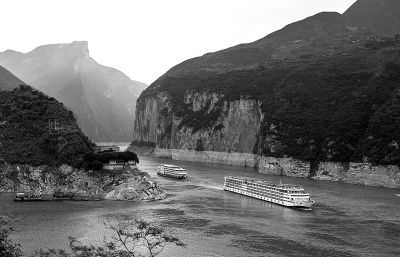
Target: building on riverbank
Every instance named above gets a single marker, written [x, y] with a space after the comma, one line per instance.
[119, 164]
[107, 148]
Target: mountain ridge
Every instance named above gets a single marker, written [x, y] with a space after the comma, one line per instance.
[380, 16]
[312, 91]
[104, 105]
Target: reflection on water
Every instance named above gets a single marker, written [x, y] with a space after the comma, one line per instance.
[347, 220]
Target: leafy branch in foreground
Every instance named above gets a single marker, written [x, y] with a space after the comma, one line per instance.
[131, 238]
[7, 247]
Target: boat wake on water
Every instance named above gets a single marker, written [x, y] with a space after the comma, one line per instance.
[213, 187]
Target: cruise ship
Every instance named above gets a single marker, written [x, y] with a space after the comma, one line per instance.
[171, 171]
[282, 194]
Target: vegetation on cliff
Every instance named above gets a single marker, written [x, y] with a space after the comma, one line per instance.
[328, 91]
[38, 130]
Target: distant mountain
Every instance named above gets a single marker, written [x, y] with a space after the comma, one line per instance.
[320, 89]
[380, 16]
[8, 81]
[36, 129]
[102, 98]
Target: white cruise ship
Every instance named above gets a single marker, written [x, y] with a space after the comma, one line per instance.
[171, 171]
[282, 194]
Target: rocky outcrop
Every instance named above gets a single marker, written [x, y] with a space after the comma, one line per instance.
[128, 184]
[284, 167]
[137, 189]
[360, 173]
[351, 173]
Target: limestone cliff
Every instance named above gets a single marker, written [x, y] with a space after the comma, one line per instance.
[210, 123]
[316, 90]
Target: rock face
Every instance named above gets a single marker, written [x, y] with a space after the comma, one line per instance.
[211, 123]
[225, 158]
[323, 89]
[284, 167]
[346, 172]
[138, 188]
[360, 173]
[129, 185]
[102, 98]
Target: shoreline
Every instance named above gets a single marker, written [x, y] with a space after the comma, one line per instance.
[366, 174]
[69, 184]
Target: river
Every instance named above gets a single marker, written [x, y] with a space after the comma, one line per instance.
[347, 220]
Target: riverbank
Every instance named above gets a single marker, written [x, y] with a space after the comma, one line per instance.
[346, 221]
[351, 173]
[128, 184]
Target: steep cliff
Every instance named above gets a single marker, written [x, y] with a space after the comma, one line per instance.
[209, 123]
[102, 98]
[317, 90]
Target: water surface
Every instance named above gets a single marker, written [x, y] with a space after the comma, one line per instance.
[348, 220]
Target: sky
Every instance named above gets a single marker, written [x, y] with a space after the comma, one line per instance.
[145, 38]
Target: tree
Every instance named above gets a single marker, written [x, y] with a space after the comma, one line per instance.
[131, 238]
[7, 247]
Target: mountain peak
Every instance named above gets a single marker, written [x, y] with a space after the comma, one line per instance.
[11, 52]
[81, 46]
[74, 49]
[380, 16]
[319, 24]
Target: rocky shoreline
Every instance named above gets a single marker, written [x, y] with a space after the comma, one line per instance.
[128, 184]
[352, 173]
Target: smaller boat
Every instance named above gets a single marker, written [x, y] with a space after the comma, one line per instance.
[171, 171]
[29, 197]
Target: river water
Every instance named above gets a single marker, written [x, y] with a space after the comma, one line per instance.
[347, 220]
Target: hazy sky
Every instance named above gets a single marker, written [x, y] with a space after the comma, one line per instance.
[144, 38]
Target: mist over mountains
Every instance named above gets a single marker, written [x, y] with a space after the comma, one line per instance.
[102, 98]
[7, 80]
